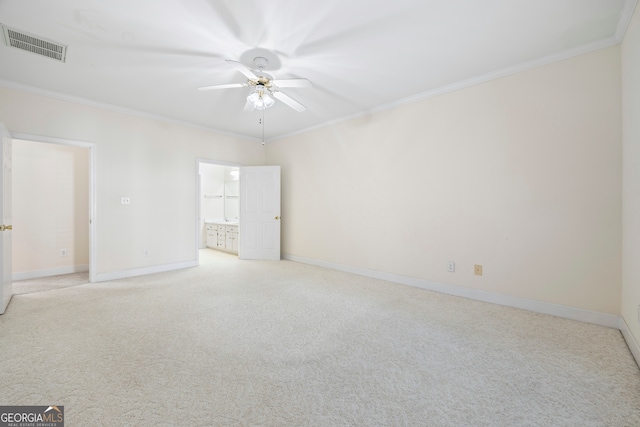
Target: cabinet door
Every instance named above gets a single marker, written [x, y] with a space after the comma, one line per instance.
[232, 239]
[212, 239]
[229, 242]
[220, 237]
[234, 247]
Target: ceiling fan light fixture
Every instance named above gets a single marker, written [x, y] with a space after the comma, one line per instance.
[260, 98]
[268, 101]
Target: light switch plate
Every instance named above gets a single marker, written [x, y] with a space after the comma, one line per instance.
[126, 201]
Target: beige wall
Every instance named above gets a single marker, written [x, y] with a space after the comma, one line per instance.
[521, 174]
[631, 176]
[50, 207]
[152, 162]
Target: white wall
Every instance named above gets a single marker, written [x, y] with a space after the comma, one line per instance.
[631, 176]
[212, 178]
[50, 209]
[152, 162]
[521, 174]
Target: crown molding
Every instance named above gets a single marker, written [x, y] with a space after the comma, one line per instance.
[473, 81]
[626, 15]
[118, 109]
[628, 8]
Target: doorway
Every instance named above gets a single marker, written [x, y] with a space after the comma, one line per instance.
[53, 208]
[218, 206]
[256, 232]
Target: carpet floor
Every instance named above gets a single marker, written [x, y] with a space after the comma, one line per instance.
[42, 284]
[254, 343]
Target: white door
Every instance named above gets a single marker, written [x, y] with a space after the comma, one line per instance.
[259, 212]
[6, 288]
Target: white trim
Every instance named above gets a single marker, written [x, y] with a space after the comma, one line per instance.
[48, 272]
[631, 341]
[504, 72]
[623, 23]
[602, 319]
[93, 213]
[118, 109]
[93, 188]
[198, 231]
[625, 18]
[462, 84]
[134, 272]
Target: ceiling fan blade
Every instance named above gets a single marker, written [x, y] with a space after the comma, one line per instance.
[289, 101]
[244, 70]
[292, 83]
[229, 86]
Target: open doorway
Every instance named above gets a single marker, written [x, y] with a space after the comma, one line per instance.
[51, 200]
[255, 232]
[218, 207]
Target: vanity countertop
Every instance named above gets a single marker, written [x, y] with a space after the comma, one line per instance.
[220, 222]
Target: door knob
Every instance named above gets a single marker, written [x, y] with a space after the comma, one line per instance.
[6, 227]
[277, 218]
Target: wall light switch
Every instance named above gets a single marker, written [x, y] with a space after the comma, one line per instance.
[126, 201]
[452, 266]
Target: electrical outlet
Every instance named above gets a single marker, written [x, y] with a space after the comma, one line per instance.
[63, 252]
[452, 266]
[477, 270]
[146, 253]
[126, 201]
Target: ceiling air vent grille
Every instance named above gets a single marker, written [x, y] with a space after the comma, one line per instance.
[32, 43]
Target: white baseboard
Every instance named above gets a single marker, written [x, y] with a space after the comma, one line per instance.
[630, 339]
[47, 272]
[123, 274]
[603, 319]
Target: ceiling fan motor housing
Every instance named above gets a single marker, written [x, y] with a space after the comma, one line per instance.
[260, 62]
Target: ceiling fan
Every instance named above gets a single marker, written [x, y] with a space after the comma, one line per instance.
[263, 87]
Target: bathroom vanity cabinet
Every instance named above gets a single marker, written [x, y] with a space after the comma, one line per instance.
[222, 236]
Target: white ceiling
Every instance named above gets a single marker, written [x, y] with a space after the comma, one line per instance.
[150, 55]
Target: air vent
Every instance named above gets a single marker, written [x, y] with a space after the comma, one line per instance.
[32, 43]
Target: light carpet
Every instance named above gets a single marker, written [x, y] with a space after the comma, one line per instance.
[254, 343]
[42, 284]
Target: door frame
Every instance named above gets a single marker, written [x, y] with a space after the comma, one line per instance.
[198, 234]
[92, 187]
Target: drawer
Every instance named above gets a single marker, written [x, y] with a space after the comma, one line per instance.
[211, 227]
[220, 228]
[232, 229]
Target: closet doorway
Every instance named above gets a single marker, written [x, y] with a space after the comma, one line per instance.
[52, 198]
